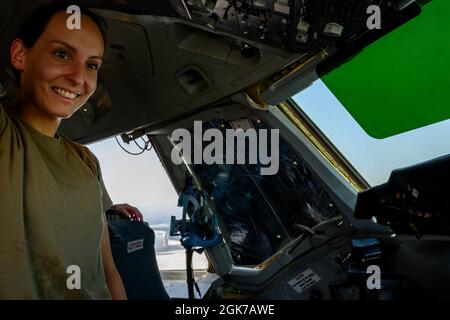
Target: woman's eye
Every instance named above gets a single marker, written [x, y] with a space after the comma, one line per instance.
[93, 66]
[61, 54]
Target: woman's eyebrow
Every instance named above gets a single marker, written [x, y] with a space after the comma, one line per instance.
[73, 49]
[96, 57]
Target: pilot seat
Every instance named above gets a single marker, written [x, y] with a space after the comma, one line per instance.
[132, 246]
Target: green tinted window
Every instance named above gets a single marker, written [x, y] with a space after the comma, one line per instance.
[402, 81]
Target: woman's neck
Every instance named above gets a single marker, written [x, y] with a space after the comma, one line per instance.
[35, 118]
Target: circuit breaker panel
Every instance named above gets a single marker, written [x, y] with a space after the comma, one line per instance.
[291, 25]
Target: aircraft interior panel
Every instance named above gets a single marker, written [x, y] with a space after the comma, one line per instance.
[294, 26]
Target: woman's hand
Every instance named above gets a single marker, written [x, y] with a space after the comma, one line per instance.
[129, 211]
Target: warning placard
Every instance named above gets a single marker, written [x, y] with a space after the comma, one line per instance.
[304, 280]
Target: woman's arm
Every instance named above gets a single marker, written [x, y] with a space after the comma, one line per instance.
[113, 280]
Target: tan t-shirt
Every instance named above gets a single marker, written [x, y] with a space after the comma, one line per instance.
[52, 199]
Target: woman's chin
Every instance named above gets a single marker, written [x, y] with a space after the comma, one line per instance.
[58, 114]
[66, 115]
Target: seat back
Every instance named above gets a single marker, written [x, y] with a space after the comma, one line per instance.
[132, 246]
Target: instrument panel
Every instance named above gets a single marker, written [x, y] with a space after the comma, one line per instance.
[292, 25]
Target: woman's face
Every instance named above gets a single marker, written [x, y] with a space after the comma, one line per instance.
[59, 73]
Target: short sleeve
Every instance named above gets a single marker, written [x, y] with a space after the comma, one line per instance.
[106, 200]
[92, 162]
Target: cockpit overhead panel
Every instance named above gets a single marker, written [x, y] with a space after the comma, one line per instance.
[292, 25]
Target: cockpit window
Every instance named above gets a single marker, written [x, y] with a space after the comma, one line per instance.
[262, 213]
[373, 158]
[399, 82]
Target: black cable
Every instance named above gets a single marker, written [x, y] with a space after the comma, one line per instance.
[135, 154]
[146, 144]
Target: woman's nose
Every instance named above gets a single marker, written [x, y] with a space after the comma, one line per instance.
[76, 74]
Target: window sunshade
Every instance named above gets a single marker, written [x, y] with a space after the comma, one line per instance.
[401, 81]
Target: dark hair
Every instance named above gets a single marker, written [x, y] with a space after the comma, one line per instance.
[34, 26]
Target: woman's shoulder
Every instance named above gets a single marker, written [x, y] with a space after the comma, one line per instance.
[84, 153]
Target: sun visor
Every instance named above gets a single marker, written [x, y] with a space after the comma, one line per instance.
[401, 81]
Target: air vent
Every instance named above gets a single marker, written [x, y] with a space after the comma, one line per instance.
[193, 81]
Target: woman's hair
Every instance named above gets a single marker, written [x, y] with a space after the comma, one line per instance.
[34, 25]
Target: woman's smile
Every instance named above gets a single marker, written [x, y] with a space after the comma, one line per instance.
[66, 94]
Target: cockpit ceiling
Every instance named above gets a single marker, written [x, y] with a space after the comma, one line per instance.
[167, 59]
[143, 7]
[159, 69]
[291, 25]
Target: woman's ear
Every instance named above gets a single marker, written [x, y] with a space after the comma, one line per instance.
[18, 54]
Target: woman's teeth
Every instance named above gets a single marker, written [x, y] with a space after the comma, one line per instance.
[65, 94]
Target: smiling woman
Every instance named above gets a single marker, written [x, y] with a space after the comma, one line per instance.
[51, 189]
[58, 73]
